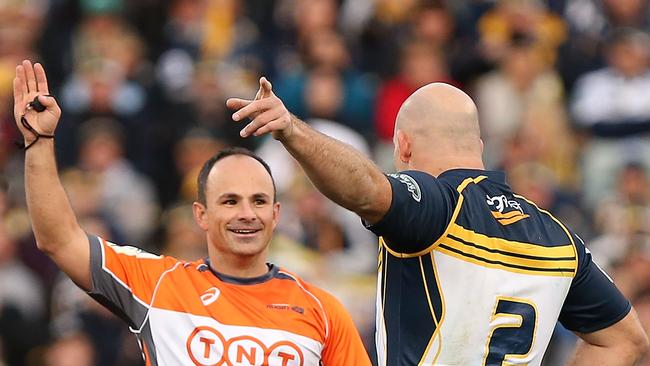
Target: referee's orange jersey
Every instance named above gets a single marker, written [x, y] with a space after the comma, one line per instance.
[184, 313]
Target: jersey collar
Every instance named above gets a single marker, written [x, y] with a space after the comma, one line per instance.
[273, 271]
[461, 174]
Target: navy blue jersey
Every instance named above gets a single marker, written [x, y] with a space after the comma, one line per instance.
[471, 273]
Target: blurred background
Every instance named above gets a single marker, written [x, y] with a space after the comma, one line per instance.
[563, 89]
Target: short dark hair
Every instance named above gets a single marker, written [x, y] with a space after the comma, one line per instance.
[230, 151]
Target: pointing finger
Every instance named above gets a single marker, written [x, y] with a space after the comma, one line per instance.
[22, 82]
[266, 87]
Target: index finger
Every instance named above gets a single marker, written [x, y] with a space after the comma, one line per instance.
[41, 78]
[20, 85]
[266, 87]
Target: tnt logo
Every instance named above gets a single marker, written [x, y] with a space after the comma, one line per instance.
[206, 346]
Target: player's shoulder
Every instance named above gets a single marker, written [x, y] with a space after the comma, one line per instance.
[452, 178]
[110, 249]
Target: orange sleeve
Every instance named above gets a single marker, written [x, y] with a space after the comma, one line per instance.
[343, 344]
[124, 278]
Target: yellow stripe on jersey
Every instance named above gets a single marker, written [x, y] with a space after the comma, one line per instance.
[516, 247]
[506, 215]
[509, 255]
[506, 258]
[508, 218]
[431, 310]
[437, 334]
[513, 219]
[566, 231]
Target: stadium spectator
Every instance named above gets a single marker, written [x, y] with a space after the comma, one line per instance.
[74, 350]
[590, 22]
[326, 72]
[609, 104]
[126, 197]
[227, 307]
[420, 64]
[523, 115]
[529, 17]
[456, 252]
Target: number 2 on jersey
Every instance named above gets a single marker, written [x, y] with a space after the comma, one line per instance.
[514, 323]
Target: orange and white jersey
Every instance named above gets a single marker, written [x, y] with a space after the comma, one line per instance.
[184, 313]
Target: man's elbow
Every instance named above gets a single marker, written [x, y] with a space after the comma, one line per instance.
[46, 247]
[50, 243]
[639, 344]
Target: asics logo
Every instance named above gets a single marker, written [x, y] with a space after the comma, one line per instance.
[210, 296]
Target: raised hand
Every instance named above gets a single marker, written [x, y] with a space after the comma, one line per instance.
[267, 112]
[30, 81]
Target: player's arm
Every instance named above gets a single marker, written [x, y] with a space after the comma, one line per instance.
[623, 343]
[54, 223]
[602, 317]
[339, 171]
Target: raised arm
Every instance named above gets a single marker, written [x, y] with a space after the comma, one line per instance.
[336, 169]
[55, 226]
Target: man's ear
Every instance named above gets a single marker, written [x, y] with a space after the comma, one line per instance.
[404, 146]
[276, 214]
[200, 215]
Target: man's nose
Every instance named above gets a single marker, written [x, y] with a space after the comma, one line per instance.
[247, 212]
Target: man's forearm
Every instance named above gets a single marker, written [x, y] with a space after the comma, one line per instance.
[53, 220]
[340, 172]
[592, 355]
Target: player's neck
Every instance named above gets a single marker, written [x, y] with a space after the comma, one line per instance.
[440, 164]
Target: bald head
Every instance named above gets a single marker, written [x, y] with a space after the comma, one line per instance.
[441, 122]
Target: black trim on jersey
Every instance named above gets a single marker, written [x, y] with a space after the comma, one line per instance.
[273, 271]
[410, 324]
[508, 253]
[504, 264]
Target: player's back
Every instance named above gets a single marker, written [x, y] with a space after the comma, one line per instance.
[504, 268]
[470, 273]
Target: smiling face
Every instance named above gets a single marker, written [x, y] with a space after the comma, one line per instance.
[239, 215]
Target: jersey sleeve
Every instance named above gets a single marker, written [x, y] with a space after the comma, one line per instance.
[421, 209]
[124, 278]
[593, 302]
[343, 344]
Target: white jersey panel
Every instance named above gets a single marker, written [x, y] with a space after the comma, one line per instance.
[186, 339]
[470, 320]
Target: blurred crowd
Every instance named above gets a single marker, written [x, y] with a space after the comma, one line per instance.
[562, 86]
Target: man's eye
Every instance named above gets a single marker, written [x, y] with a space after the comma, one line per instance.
[260, 202]
[229, 202]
